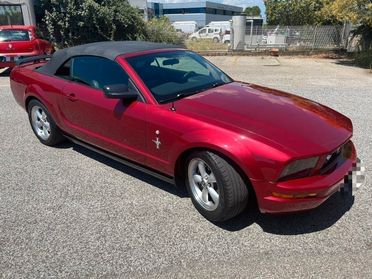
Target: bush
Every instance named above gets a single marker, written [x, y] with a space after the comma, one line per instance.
[363, 59]
[73, 22]
[160, 30]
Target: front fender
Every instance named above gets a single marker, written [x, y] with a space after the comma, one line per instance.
[256, 159]
[228, 144]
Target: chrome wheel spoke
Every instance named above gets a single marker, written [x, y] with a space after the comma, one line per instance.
[201, 168]
[38, 124]
[43, 115]
[38, 114]
[47, 126]
[205, 195]
[212, 178]
[214, 195]
[197, 178]
[45, 131]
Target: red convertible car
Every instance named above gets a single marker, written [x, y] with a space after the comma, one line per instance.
[20, 41]
[171, 113]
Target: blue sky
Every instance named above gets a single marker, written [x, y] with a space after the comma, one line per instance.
[241, 3]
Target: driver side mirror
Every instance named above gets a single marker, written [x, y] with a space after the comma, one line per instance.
[119, 91]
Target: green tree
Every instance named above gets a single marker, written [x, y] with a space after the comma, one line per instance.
[73, 22]
[293, 12]
[358, 12]
[252, 11]
[161, 30]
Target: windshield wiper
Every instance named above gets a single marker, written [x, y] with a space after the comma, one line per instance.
[189, 93]
[177, 97]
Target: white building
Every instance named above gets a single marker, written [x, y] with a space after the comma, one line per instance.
[17, 12]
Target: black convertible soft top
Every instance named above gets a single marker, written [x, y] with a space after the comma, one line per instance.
[109, 50]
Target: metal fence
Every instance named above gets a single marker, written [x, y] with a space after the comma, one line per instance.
[291, 37]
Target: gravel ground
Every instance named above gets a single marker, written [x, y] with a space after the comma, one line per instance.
[69, 213]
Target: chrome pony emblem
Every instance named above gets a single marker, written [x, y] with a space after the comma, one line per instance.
[157, 140]
[10, 46]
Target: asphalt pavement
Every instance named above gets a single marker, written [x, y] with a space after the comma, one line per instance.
[67, 212]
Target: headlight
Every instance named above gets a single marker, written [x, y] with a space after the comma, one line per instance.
[301, 167]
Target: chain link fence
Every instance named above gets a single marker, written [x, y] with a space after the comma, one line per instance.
[293, 37]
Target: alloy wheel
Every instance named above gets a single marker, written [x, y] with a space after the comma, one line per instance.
[40, 122]
[203, 184]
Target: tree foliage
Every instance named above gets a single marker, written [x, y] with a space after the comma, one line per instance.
[160, 30]
[252, 11]
[293, 12]
[355, 11]
[73, 22]
[358, 12]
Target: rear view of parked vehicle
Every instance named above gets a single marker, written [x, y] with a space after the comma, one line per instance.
[19, 41]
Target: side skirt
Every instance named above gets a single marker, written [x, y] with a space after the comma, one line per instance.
[133, 165]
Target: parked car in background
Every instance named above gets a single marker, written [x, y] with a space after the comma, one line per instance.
[215, 30]
[20, 41]
[169, 112]
[212, 33]
[224, 25]
[226, 38]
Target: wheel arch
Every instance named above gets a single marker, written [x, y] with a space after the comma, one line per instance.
[35, 92]
[180, 174]
[29, 99]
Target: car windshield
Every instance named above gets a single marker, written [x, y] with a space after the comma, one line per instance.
[175, 74]
[8, 35]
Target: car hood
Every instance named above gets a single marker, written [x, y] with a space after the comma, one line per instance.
[296, 124]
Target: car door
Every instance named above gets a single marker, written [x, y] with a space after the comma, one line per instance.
[115, 125]
[203, 33]
[210, 33]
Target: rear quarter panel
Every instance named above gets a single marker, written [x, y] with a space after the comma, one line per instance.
[27, 83]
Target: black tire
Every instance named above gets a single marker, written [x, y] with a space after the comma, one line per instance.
[233, 192]
[55, 135]
[216, 40]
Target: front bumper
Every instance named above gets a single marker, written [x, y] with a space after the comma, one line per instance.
[304, 193]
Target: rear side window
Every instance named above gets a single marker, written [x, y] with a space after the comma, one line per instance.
[97, 71]
[13, 35]
[93, 71]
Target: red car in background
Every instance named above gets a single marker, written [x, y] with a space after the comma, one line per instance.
[20, 41]
[171, 113]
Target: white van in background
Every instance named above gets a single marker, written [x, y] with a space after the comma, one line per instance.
[224, 25]
[215, 31]
[187, 27]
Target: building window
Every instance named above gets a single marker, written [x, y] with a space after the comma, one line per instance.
[201, 10]
[184, 11]
[11, 15]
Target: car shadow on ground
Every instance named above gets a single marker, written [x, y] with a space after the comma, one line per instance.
[314, 220]
[5, 72]
[310, 221]
[165, 186]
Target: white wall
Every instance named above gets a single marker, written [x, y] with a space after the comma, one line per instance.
[27, 10]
